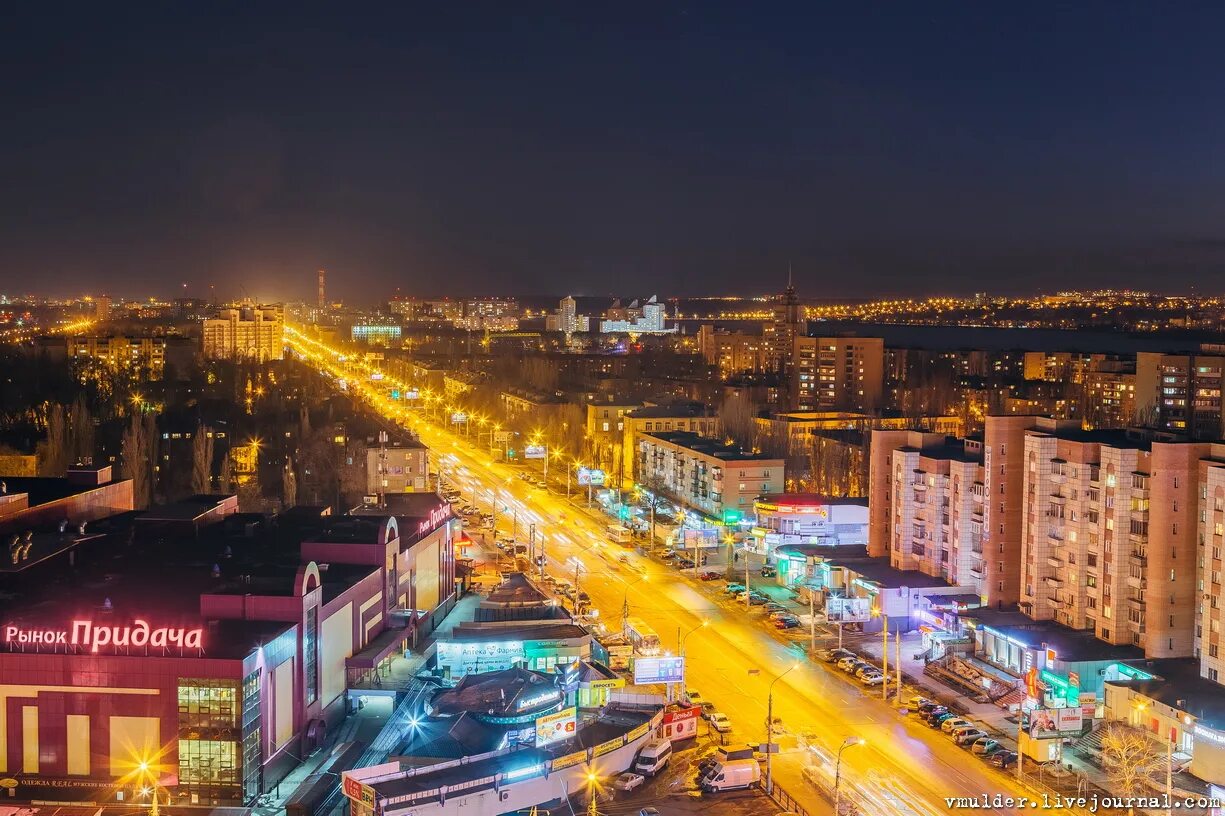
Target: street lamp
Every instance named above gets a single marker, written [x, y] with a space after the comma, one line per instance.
[847, 743]
[625, 601]
[879, 612]
[770, 728]
[680, 649]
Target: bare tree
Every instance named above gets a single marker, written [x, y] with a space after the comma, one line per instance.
[53, 455]
[202, 460]
[80, 432]
[1131, 757]
[289, 484]
[736, 416]
[138, 454]
[225, 479]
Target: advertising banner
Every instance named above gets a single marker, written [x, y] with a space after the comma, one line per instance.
[659, 670]
[533, 451]
[1052, 723]
[556, 727]
[701, 539]
[458, 418]
[569, 759]
[848, 610]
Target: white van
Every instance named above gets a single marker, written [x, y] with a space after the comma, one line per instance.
[734, 775]
[653, 757]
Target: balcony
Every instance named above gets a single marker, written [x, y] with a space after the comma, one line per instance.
[977, 572]
[1057, 563]
[1058, 499]
[1053, 581]
[1139, 515]
[1135, 603]
[1136, 583]
[1139, 558]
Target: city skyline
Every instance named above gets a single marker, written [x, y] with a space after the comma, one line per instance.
[689, 150]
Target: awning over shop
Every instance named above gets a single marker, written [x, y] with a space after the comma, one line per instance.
[378, 649]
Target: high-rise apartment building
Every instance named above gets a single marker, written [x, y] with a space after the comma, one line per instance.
[1181, 393]
[779, 333]
[247, 332]
[732, 352]
[952, 508]
[568, 310]
[837, 374]
[495, 314]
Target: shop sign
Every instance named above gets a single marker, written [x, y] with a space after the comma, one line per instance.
[450, 651]
[681, 715]
[358, 791]
[568, 760]
[437, 516]
[607, 684]
[85, 635]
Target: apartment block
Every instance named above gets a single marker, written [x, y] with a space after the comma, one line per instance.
[141, 356]
[717, 480]
[248, 332]
[952, 507]
[732, 352]
[692, 417]
[1180, 393]
[837, 373]
[1086, 531]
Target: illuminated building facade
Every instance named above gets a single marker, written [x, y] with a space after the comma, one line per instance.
[143, 357]
[249, 332]
[837, 373]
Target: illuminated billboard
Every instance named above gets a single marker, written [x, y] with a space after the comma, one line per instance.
[1052, 723]
[556, 727]
[533, 451]
[659, 670]
[848, 610]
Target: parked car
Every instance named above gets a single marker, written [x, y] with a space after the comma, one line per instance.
[846, 662]
[628, 781]
[669, 556]
[734, 589]
[834, 655]
[962, 729]
[694, 697]
[916, 700]
[857, 665]
[1003, 759]
[937, 718]
[968, 738]
[649, 811]
[756, 600]
[778, 611]
[709, 575]
[787, 623]
[948, 725]
[986, 745]
[720, 722]
[872, 679]
[775, 606]
[862, 670]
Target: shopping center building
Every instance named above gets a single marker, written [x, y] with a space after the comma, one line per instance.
[203, 667]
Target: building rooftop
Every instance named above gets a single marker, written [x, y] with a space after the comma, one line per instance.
[878, 570]
[709, 447]
[682, 410]
[808, 500]
[1069, 645]
[519, 630]
[1180, 685]
[514, 692]
[193, 508]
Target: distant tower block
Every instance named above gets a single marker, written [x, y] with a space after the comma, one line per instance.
[322, 281]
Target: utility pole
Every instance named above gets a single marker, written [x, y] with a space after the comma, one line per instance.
[884, 655]
[898, 640]
[812, 622]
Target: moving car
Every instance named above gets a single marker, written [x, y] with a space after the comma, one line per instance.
[720, 722]
[628, 781]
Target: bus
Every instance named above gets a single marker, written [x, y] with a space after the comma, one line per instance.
[620, 534]
[643, 637]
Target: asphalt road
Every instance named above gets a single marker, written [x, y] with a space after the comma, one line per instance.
[734, 660]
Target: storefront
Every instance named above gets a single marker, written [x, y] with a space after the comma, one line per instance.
[808, 519]
[475, 648]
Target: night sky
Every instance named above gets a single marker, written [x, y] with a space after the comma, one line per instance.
[687, 149]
